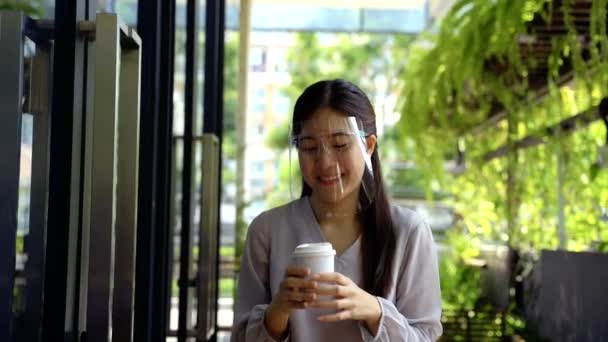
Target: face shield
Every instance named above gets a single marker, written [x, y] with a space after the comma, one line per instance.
[334, 157]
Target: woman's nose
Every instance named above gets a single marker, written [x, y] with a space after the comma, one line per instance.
[325, 156]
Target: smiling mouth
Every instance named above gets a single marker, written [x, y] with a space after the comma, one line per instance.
[329, 180]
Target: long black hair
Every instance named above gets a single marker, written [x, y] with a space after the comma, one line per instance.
[378, 234]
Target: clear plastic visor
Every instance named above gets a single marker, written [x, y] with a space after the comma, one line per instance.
[334, 162]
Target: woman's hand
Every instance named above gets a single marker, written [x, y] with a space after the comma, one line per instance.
[350, 300]
[295, 292]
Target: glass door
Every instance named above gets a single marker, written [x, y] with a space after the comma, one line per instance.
[69, 118]
[24, 138]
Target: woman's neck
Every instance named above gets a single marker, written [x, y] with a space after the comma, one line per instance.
[344, 211]
[339, 222]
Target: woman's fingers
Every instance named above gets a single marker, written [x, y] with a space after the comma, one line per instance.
[340, 316]
[299, 305]
[332, 277]
[299, 283]
[302, 292]
[333, 290]
[296, 290]
[297, 271]
[296, 296]
[340, 304]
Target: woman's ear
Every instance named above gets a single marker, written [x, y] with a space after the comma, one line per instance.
[371, 143]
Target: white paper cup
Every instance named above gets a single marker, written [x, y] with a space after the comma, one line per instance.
[318, 257]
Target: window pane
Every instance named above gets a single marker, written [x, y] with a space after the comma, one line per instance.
[127, 10]
[176, 214]
[23, 215]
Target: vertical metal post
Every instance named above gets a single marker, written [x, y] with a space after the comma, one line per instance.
[211, 168]
[241, 119]
[185, 262]
[103, 179]
[87, 161]
[61, 285]
[207, 263]
[11, 93]
[127, 187]
[155, 25]
[163, 247]
[219, 131]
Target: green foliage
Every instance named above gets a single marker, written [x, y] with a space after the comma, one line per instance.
[359, 58]
[278, 137]
[231, 70]
[33, 8]
[453, 78]
[19, 246]
[226, 287]
[460, 284]
[229, 148]
[289, 184]
[227, 251]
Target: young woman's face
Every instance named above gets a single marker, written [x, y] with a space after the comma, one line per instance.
[332, 155]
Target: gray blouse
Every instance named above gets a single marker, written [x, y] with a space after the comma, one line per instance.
[410, 312]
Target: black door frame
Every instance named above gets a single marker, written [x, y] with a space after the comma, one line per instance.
[61, 308]
[61, 300]
[212, 117]
[156, 27]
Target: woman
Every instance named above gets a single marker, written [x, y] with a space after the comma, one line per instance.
[386, 284]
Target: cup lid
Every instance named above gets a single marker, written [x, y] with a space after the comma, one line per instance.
[310, 249]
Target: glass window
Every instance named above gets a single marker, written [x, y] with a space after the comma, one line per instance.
[23, 215]
[257, 187]
[281, 105]
[127, 10]
[258, 101]
[258, 58]
[259, 107]
[257, 167]
[179, 79]
[280, 61]
[179, 116]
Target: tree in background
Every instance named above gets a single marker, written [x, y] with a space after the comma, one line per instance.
[449, 89]
[231, 66]
[34, 8]
[231, 104]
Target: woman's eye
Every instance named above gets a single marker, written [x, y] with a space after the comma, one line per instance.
[340, 146]
[308, 148]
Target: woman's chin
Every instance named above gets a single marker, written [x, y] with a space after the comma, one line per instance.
[329, 194]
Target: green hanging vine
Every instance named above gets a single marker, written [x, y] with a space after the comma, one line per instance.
[472, 65]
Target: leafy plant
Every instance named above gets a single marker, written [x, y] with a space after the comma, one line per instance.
[460, 284]
[32, 8]
[458, 75]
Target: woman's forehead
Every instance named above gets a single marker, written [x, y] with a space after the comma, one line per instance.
[327, 120]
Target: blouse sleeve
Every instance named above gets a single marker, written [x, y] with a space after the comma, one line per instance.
[253, 288]
[416, 313]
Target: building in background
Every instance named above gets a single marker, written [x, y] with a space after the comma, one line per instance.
[268, 107]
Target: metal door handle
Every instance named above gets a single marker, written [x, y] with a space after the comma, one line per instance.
[112, 176]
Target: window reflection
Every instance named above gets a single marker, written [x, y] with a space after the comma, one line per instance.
[23, 215]
[127, 10]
